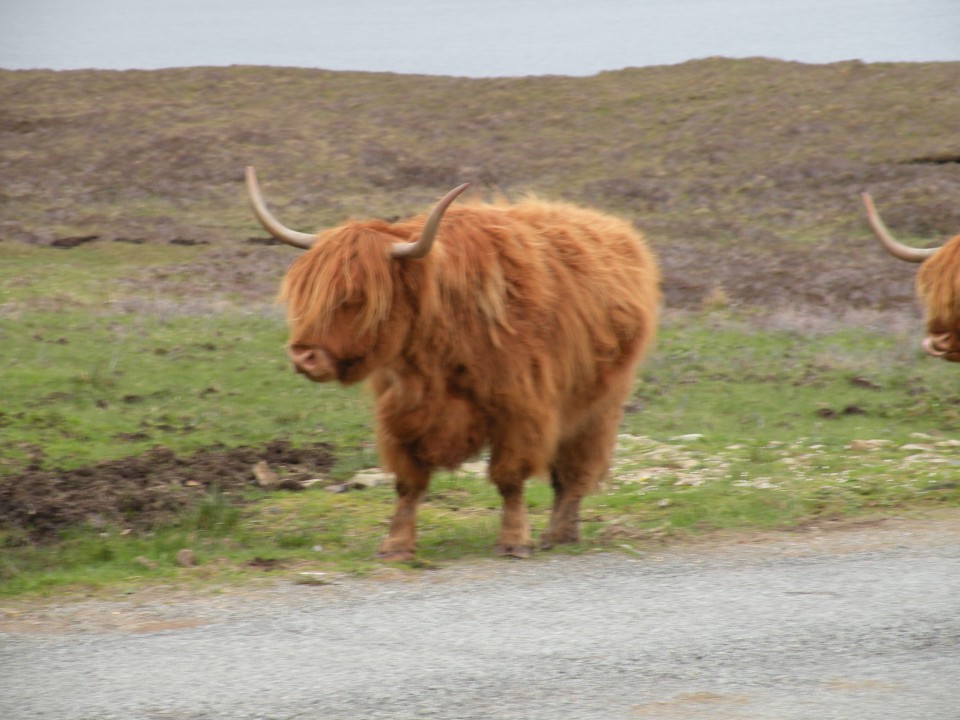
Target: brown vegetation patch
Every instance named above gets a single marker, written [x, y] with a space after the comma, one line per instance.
[744, 174]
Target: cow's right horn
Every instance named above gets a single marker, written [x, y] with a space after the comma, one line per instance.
[422, 245]
[894, 247]
[269, 222]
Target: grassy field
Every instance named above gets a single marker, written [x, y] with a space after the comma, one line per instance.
[734, 424]
[787, 387]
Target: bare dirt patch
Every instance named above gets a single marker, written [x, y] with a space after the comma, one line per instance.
[143, 491]
[931, 527]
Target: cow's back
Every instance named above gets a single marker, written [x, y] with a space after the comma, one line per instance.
[548, 296]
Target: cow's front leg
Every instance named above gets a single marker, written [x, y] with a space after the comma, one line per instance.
[514, 538]
[401, 539]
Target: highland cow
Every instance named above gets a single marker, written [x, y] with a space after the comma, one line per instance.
[511, 327]
[937, 284]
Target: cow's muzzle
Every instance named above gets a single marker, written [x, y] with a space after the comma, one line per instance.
[313, 362]
[945, 346]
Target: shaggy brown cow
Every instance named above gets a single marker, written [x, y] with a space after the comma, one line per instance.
[938, 285]
[520, 331]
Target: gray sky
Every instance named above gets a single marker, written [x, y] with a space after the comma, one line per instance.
[468, 37]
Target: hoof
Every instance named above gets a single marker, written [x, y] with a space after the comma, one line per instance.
[548, 540]
[394, 555]
[516, 551]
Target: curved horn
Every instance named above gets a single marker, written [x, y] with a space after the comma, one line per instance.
[894, 247]
[269, 222]
[422, 245]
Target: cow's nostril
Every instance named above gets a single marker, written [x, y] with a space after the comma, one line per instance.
[304, 358]
[307, 360]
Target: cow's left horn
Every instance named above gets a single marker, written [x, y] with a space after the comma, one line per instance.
[269, 222]
[894, 247]
[422, 245]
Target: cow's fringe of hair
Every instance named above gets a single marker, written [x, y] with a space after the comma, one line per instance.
[347, 265]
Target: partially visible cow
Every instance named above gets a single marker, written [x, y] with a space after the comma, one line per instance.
[516, 327]
[937, 283]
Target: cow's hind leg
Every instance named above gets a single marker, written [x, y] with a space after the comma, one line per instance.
[578, 467]
[518, 451]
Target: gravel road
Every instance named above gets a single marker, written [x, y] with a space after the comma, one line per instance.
[862, 622]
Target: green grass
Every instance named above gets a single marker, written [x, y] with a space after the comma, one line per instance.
[740, 427]
[77, 385]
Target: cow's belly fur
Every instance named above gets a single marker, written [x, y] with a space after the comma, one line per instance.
[456, 432]
[433, 429]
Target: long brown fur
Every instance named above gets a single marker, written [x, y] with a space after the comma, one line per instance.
[520, 331]
[938, 286]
